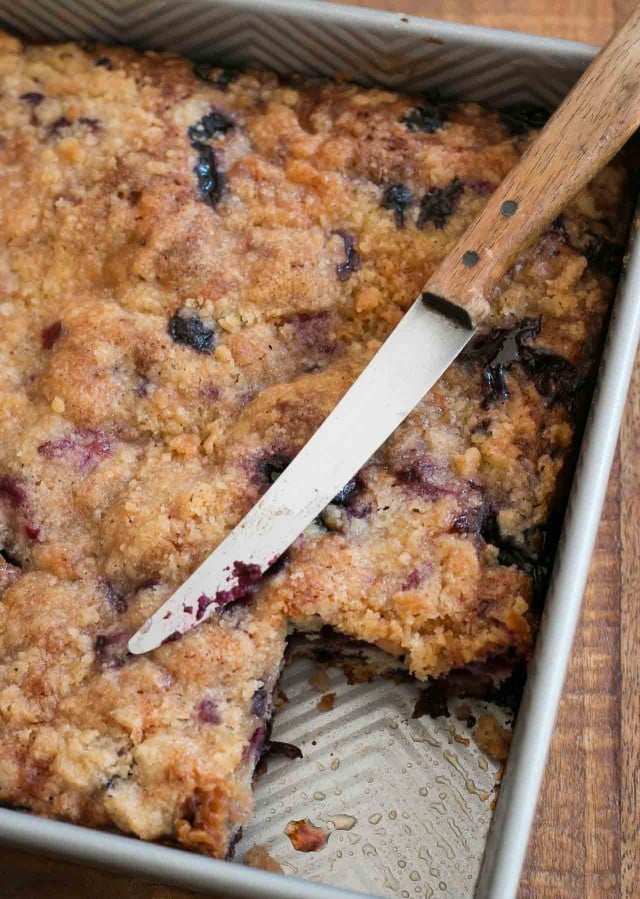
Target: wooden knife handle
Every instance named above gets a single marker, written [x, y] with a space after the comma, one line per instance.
[590, 126]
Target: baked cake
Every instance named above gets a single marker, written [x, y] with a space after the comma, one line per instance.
[195, 265]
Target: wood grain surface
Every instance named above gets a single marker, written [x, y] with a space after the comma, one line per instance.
[586, 839]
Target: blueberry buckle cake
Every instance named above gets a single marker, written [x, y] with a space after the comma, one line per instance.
[195, 265]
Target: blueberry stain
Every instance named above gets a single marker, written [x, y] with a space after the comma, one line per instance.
[425, 119]
[352, 259]
[397, 198]
[439, 204]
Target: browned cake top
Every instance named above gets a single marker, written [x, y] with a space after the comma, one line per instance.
[193, 269]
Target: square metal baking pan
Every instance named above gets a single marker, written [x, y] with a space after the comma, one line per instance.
[417, 796]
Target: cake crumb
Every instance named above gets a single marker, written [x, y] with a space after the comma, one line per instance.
[492, 738]
[258, 856]
[305, 836]
[326, 702]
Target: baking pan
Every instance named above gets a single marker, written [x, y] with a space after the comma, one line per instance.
[408, 801]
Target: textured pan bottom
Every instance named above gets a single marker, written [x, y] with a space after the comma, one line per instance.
[406, 802]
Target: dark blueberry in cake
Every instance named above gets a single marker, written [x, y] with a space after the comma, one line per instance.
[111, 649]
[210, 178]
[499, 350]
[605, 256]
[33, 98]
[439, 203]
[397, 198]
[432, 701]
[334, 519]
[92, 124]
[115, 597]
[531, 557]
[342, 496]
[427, 119]
[104, 62]
[12, 492]
[214, 74]
[472, 519]
[555, 378]
[352, 260]
[260, 701]
[215, 122]
[519, 118]
[255, 744]
[270, 467]
[185, 327]
[56, 127]
[9, 558]
[208, 712]
[50, 335]
[313, 331]
[429, 479]
[84, 448]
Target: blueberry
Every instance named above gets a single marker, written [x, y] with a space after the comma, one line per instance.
[533, 559]
[210, 178]
[555, 378]
[58, 125]
[111, 649]
[33, 98]
[186, 328]
[260, 701]
[270, 466]
[208, 712]
[605, 256]
[398, 198]
[352, 260]
[215, 122]
[439, 203]
[519, 118]
[428, 479]
[342, 496]
[92, 124]
[313, 331]
[432, 701]
[499, 350]
[426, 119]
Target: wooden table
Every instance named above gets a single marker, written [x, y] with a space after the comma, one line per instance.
[586, 840]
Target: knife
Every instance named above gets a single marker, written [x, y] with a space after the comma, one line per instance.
[593, 122]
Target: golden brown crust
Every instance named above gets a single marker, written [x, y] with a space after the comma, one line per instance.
[170, 338]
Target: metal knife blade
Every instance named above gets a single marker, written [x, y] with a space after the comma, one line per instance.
[424, 343]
